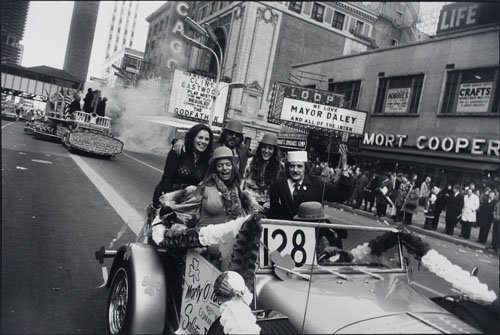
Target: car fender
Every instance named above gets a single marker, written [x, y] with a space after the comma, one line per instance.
[147, 285]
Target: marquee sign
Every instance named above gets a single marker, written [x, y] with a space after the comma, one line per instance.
[192, 97]
[306, 108]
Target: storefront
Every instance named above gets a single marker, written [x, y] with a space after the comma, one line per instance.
[433, 106]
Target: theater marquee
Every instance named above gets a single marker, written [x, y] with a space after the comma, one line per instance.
[299, 108]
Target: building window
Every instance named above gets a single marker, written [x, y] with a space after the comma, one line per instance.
[399, 95]
[394, 42]
[359, 27]
[318, 12]
[350, 90]
[295, 6]
[471, 91]
[338, 20]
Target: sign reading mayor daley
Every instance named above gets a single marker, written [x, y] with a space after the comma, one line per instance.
[303, 107]
[192, 97]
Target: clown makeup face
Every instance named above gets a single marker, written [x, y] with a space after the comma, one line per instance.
[297, 170]
[267, 151]
[201, 141]
[224, 168]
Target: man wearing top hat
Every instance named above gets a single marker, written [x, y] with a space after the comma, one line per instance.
[231, 137]
[288, 192]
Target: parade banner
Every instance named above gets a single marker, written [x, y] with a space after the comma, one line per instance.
[474, 97]
[397, 100]
[292, 141]
[200, 306]
[192, 97]
[305, 108]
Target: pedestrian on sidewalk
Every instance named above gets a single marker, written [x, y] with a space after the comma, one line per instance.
[370, 192]
[382, 196]
[359, 189]
[429, 208]
[453, 210]
[485, 216]
[425, 189]
[442, 200]
[404, 187]
[496, 224]
[471, 205]
[410, 206]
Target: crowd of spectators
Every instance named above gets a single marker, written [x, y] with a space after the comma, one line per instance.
[400, 196]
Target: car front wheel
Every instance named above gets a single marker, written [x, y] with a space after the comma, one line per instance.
[118, 303]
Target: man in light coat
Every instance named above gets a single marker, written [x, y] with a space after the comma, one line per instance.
[471, 205]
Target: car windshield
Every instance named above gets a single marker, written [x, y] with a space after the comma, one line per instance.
[331, 247]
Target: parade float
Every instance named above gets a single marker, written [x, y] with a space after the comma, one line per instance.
[83, 132]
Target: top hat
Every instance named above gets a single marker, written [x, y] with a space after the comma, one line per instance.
[297, 156]
[223, 152]
[235, 126]
[270, 139]
[311, 211]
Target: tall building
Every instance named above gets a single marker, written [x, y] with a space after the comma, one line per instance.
[123, 67]
[80, 39]
[429, 16]
[14, 15]
[121, 31]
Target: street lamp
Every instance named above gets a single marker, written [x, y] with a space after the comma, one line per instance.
[206, 32]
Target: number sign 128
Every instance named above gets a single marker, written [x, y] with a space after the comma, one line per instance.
[299, 242]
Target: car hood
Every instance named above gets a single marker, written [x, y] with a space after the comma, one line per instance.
[362, 304]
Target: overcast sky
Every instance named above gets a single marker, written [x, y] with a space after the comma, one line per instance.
[47, 29]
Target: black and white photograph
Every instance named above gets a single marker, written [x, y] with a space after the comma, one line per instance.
[250, 167]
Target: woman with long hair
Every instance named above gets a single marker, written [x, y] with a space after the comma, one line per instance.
[188, 168]
[263, 169]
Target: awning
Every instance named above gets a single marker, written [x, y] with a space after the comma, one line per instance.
[450, 164]
[167, 121]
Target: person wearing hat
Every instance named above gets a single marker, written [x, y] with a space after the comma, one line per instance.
[231, 137]
[219, 197]
[297, 186]
[329, 240]
[263, 169]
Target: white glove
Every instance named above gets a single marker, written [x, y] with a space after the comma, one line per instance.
[158, 233]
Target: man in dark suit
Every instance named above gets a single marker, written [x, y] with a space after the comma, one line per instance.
[454, 210]
[287, 193]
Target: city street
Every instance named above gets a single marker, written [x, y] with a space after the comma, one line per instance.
[59, 208]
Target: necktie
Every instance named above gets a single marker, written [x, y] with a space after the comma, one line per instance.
[296, 191]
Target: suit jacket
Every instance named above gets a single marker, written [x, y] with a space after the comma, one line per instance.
[283, 206]
[242, 153]
[454, 207]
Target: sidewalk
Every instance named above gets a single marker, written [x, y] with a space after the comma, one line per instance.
[418, 224]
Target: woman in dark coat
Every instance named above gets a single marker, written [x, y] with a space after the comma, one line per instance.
[188, 168]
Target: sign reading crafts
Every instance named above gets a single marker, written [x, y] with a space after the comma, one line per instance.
[192, 97]
[300, 107]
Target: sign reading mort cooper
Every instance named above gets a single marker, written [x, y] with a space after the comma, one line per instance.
[192, 97]
[301, 108]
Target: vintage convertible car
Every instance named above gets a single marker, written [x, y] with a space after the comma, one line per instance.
[81, 133]
[364, 287]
